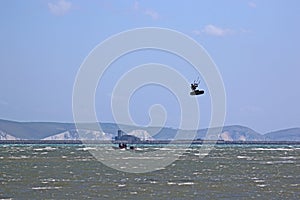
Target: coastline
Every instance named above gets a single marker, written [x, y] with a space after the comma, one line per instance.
[173, 142]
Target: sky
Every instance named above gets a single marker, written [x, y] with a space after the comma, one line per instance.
[255, 45]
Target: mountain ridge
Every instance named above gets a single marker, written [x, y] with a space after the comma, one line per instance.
[56, 130]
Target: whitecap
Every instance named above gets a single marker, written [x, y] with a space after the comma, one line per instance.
[278, 162]
[133, 192]
[142, 158]
[45, 188]
[186, 183]
[241, 156]
[273, 149]
[25, 156]
[153, 182]
[18, 158]
[39, 149]
[86, 148]
[288, 157]
[261, 185]
[181, 183]
[171, 183]
[49, 148]
[121, 185]
[259, 181]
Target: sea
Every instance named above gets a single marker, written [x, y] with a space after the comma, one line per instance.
[70, 171]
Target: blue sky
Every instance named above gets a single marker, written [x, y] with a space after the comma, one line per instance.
[255, 45]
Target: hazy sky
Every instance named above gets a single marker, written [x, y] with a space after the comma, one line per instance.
[255, 45]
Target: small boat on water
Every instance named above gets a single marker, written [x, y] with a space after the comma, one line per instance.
[124, 146]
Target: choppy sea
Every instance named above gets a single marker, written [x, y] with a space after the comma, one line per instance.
[227, 172]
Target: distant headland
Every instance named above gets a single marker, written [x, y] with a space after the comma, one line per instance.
[54, 131]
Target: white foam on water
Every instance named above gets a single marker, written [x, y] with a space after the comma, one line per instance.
[50, 180]
[172, 183]
[25, 156]
[242, 157]
[39, 149]
[18, 157]
[200, 154]
[261, 185]
[166, 149]
[181, 183]
[197, 173]
[278, 162]
[153, 182]
[186, 183]
[45, 149]
[49, 148]
[45, 188]
[259, 181]
[86, 148]
[133, 192]
[273, 149]
[288, 157]
[142, 158]
[121, 185]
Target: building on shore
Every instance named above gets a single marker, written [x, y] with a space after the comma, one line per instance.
[122, 137]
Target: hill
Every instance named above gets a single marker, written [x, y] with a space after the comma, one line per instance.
[68, 131]
[33, 130]
[292, 134]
